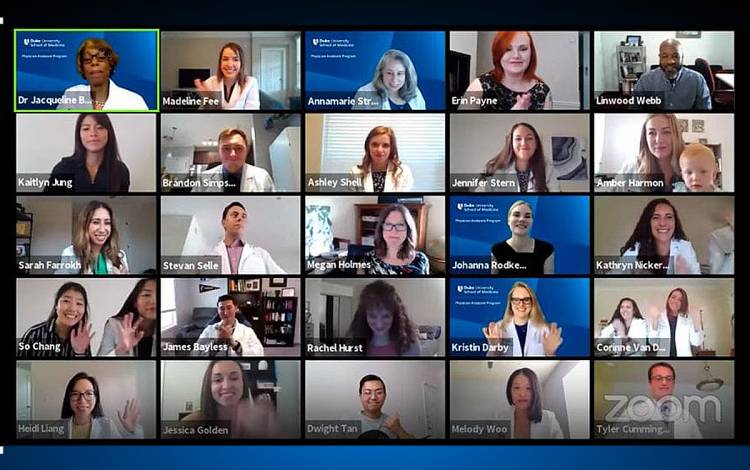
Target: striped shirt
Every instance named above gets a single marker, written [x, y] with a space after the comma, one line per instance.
[43, 341]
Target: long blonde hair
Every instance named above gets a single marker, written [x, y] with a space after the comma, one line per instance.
[82, 244]
[648, 163]
[536, 317]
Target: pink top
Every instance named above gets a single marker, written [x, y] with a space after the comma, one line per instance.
[387, 350]
[234, 251]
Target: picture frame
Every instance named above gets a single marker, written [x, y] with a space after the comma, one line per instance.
[288, 292]
[688, 34]
[277, 282]
[699, 125]
[683, 125]
[253, 285]
[633, 40]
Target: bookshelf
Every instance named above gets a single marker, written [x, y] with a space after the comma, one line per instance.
[631, 63]
[367, 221]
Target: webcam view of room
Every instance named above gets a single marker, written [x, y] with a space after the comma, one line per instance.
[230, 153]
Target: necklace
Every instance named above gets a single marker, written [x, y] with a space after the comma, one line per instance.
[99, 104]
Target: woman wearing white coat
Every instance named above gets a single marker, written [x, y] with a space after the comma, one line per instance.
[82, 411]
[523, 331]
[677, 328]
[528, 419]
[394, 86]
[522, 161]
[659, 241]
[237, 256]
[381, 169]
[627, 327]
[237, 90]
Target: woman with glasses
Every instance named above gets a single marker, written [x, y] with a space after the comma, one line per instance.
[395, 245]
[82, 408]
[96, 61]
[521, 254]
[523, 331]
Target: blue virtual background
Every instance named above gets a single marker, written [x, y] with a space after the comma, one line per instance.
[560, 220]
[50, 75]
[341, 77]
[563, 301]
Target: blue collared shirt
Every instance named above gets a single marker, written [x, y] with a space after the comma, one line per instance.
[689, 90]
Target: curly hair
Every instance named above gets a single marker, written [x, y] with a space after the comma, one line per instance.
[380, 294]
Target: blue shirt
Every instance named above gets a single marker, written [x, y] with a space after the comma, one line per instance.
[689, 90]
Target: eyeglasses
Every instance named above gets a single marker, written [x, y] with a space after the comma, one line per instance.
[399, 227]
[663, 378]
[88, 395]
[519, 300]
[89, 59]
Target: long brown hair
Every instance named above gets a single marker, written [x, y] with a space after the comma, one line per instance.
[382, 294]
[366, 165]
[112, 160]
[409, 89]
[209, 409]
[507, 157]
[237, 49]
[408, 248]
[535, 410]
[82, 244]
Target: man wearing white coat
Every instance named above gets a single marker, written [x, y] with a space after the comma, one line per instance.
[234, 175]
[237, 256]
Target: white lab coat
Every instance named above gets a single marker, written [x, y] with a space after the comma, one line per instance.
[245, 335]
[404, 182]
[106, 428]
[547, 428]
[676, 248]
[253, 260]
[368, 91]
[638, 330]
[533, 346]
[254, 180]
[684, 425]
[248, 98]
[119, 99]
[69, 255]
[685, 335]
[721, 250]
[553, 185]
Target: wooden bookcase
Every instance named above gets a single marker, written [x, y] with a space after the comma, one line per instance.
[367, 221]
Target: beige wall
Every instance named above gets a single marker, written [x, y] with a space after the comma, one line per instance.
[615, 218]
[715, 297]
[313, 142]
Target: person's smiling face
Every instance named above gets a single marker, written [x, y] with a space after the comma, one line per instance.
[226, 383]
[516, 59]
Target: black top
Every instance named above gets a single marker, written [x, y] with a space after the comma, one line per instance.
[672, 330]
[44, 334]
[521, 331]
[529, 263]
[378, 181]
[73, 168]
[395, 107]
[506, 98]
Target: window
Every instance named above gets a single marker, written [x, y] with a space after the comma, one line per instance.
[168, 315]
[420, 139]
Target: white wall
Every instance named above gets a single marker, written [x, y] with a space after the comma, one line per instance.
[478, 392]
[181, 382]
[35, 301]
[272, 223]
[557, 63]
[715, 46]
[44, 139]
[118, 382]
[135, 217]
[621, 135]
[713, 296]
[465, 42]
[424, 300]
[343, 214]
[477, 138]
[332, 390]
[630, 378]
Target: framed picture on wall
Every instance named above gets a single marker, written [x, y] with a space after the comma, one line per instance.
[278, 282]
[253, 284]
[288, 292]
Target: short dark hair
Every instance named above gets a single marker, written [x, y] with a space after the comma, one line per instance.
[368, 378]
[67, 410]
[224, 297]
[231, 204]
[661, 364]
